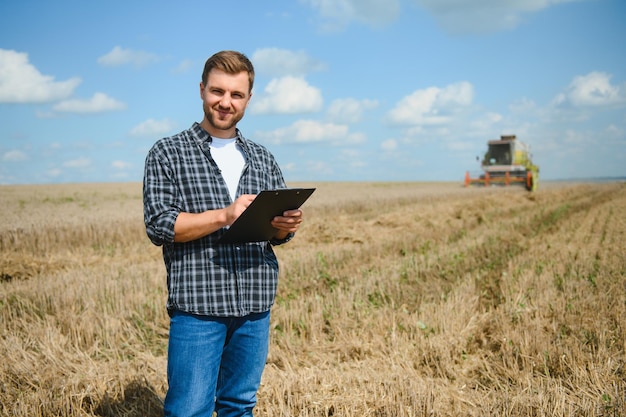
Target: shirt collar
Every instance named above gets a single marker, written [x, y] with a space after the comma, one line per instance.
[201, 135]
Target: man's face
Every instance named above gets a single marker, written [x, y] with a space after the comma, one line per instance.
[224, 97]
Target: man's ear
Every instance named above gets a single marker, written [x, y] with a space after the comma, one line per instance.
[201, 90]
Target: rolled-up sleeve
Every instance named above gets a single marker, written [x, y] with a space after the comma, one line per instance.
[161, 199]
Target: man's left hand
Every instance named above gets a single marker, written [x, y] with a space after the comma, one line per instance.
[289, 222]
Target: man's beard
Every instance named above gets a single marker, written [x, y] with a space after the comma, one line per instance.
[222, 124]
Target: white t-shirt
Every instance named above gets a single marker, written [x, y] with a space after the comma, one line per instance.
[230, 160]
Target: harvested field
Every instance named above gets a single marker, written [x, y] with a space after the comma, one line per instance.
[396, 299]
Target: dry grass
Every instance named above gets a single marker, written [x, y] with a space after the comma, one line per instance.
[396, 299]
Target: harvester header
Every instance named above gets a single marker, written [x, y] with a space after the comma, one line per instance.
[507, 161]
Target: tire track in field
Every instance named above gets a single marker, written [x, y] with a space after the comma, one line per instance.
[544, 223]
[484, 252]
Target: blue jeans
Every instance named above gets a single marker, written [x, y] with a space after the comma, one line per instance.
[215, 363]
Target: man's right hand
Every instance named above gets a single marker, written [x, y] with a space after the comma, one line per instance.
[234, 210]
[192, 226]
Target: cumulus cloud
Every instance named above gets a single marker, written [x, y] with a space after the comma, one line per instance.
[339, 13]
[121, 165]
[100, 102]
[119, 56]
[523, 106]
[151, 127]
[319, 167]
[486, 122]
[431, 106]
[389, 145]
[14, 156]
[614, 132]
[312, 131]
[77, 163]
[461, 16]
[21, 82]
[591, 90]
[350, 110]
[281, 62]
[287, 95]
[53, 172]
[183, 67]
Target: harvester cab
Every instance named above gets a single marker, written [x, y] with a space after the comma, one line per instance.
[507, 161]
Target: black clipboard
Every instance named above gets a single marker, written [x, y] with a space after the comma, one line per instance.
[254, 224]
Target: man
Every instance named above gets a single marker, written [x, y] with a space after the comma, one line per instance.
[196, 183]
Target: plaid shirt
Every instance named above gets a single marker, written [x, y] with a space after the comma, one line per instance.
[204, 277]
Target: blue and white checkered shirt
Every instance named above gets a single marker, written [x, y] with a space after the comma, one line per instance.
[204, 277]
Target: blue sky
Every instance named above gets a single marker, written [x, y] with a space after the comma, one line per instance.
[346, 90]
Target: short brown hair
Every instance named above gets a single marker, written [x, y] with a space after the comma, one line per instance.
[231, 62]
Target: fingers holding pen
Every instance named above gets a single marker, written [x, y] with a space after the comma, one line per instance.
[239, 206]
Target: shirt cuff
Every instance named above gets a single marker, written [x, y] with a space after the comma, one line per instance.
[276, 242]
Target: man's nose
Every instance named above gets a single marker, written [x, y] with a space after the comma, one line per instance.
[225, 101]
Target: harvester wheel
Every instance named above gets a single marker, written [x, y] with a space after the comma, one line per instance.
[529, 180]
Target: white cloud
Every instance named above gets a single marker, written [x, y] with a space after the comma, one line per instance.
[312, 131]
[100, 102]
[289, 166]
[183, 67]
[614, 132]
[432, 106]
[151, 128]
[280, 62]
[486, 122]
[389, 145]
[591, 90]
[121, 165]
[288, 95]
[349, 110]
[77, 163]
[14, 156]
[319, 167]
[459, 145]
[54, 172]
[523, 106]
[462, 16]
[120, 56]
[21, 82]
[339, 13]
[575, 137]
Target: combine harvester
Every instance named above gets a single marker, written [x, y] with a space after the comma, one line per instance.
[506, 162]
